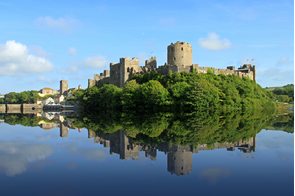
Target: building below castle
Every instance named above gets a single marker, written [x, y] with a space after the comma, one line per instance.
[179, 58]
[60, 94]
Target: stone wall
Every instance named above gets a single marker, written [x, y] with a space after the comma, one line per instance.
[180, 54]
[63, 86]
[2, 108]
[31, 108]
[151, 64]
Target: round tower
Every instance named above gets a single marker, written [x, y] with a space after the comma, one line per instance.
[180, 54]
[180, 163]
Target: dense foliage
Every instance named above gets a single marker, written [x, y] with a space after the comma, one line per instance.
[178, 92]
[282, 94]
[21, 119]
[198, 127]
[22, 97]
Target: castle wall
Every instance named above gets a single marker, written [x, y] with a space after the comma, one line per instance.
[129, 67]
[151, 64]
[115, 70]
[164, 70]
[179, 56]
[91, 83]
[105, 80]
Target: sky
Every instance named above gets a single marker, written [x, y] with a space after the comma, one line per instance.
[43, 42]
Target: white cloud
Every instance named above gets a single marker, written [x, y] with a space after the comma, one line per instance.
[15, 156]
[95, 62]
[66, 24]
[94, 154]
[72, 69]
[167, 21]
[39, 51]
[72, 51]
[15, 60]
[43, 79]
[214, 43]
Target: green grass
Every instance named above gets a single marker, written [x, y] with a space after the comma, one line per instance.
[272, 88]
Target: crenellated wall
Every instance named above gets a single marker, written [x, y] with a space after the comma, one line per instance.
[179, 56]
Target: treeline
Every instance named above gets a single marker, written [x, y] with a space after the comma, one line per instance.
[283, 94]
[28, 120]
[183, 92]
[23, 97]
[198, 127]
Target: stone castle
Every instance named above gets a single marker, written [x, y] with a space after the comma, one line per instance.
[179, 58]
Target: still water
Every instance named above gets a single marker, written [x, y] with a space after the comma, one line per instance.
[54, 157]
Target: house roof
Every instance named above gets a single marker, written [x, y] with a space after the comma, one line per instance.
[46, 88]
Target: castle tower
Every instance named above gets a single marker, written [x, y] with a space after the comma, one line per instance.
[63, 86]
[180, 54]
[179, 163]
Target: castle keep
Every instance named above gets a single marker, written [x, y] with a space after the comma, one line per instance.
[179, 58]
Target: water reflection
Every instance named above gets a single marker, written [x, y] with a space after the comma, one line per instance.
[15, 156]
[179, 157]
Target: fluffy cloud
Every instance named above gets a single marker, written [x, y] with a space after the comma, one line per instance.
[43, 79]
[39, 51]
[214, 43]
[95, 62]
[72, 51]
[72, 69]
[66, 24]
[94, 154]
[15, 156]
[15, 60]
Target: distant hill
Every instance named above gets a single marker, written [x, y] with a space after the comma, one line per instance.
[282, 92]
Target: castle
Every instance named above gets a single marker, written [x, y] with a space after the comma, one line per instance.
[179, 58]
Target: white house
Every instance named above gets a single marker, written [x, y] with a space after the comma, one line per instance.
[48, 100]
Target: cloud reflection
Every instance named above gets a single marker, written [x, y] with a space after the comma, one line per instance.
[15, 156]
[212, 174]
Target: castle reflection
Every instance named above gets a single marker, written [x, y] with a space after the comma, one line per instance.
[179, 158]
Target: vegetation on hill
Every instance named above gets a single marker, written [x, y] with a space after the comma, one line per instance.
[76, 94]
[22, 97]
[184, 92]
[282, 94]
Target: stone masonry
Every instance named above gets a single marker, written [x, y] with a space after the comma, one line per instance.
[179, 58]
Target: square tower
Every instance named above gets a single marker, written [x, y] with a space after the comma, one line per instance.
[63, 86]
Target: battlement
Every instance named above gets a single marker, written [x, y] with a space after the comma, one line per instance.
[127, 60]
[179, 57]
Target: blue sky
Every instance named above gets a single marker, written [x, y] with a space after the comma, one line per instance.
[42, 42]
